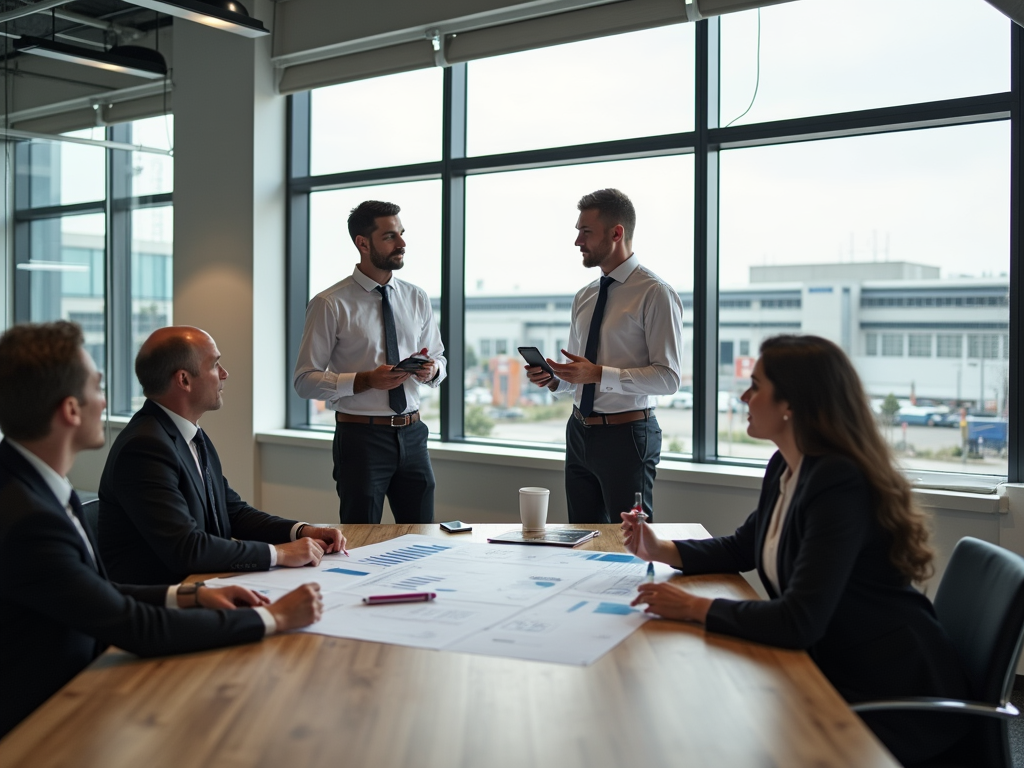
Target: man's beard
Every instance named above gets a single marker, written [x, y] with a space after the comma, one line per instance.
[387, 263]
[594, 257]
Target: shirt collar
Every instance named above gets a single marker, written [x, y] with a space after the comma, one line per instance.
[625, 269]
[366, 283]
[790, 476]
[59, 485]
[187, 428]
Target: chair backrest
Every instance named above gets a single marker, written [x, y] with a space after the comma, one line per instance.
[980, 603]
[91, 512]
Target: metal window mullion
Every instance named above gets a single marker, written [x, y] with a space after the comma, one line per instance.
[118, 301]
[453, 252]
[1015, 438]
[705, 245]
[297, 257]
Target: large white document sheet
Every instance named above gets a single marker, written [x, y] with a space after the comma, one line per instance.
[528, 602]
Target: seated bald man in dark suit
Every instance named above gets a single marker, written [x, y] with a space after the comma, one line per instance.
[59, 610]
[166, 509]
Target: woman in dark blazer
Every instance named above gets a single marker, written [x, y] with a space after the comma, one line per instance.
[837, 541]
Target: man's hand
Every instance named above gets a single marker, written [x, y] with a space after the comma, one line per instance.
[331, 539]
[381, 377]
[299, 608]
[230, 597]
[426, 372]
[304, 551]
[541, 378]
[578, 371]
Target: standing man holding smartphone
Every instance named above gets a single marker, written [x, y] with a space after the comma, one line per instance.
[356, 332]
[625, 347]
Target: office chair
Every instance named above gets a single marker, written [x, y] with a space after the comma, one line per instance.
[91, 513]
[980, 603]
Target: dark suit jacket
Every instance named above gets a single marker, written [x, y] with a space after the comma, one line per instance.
[154, 523]
[873, 635]
[59, 611]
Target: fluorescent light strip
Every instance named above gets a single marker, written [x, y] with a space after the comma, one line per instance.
[15, 134]
[52, 266]
[210, 15]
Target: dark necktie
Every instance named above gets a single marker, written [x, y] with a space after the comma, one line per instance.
[76, 507]
[587, 398]
[396, 396]
[211, 499]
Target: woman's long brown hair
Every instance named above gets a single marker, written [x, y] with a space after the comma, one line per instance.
[831, 416]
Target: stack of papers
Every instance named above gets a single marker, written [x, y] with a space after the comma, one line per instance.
[540, 603]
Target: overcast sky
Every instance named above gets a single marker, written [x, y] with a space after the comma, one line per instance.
[938, 197]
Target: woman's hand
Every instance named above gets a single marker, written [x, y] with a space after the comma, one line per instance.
[641, 540]
[230, 597]
[671, 602]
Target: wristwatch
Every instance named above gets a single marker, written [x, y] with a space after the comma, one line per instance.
[192, 589]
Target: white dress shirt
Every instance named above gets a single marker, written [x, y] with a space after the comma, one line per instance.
[770, 552]
[344, 335]
[641, 342]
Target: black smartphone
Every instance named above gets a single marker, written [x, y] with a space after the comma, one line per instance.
[411, 364]
[533, 356]
[456, 526]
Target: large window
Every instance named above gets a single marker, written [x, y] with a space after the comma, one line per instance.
[93, 242]
[865, 198]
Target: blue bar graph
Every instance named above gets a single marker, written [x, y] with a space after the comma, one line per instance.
[404, 555]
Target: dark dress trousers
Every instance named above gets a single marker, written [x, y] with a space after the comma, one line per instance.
[155, 524]
[60, 611]
[871, 633]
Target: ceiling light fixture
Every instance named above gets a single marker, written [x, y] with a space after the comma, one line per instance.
[126, 59]
[222, 14]
[38, 265]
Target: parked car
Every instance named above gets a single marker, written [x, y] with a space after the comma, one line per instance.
[922, 415]
[681, 399]
[479, 396]
[729, 402]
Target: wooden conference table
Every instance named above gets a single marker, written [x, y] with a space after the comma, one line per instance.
[671, 694]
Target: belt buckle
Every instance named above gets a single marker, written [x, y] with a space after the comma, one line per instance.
[403, 417]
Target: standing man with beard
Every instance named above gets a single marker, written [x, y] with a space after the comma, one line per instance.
[625, 347]
[355, 333]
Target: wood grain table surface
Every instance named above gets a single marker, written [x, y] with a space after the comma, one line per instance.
[669, 695]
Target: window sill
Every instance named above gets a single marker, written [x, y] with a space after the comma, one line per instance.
[669, 470]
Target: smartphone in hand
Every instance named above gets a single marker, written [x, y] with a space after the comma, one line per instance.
[533, 356]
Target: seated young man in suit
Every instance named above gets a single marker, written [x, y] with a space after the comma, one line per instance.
[59, 610]
[166, 509]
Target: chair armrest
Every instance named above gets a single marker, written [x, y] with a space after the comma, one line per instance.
[932, 704]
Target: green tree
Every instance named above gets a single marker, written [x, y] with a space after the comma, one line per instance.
[890, 407]
[471, 358]
[478, 422]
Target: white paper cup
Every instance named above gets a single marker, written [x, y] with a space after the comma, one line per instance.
[533, 508]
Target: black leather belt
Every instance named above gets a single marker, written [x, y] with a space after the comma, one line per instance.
[610, 419]
[398, 420]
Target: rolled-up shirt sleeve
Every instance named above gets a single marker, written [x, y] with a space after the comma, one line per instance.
[312, 378]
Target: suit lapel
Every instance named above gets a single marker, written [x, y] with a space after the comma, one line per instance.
[769, 497]
[19, 468]
[184, 454]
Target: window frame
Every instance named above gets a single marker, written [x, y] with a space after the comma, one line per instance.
[116, 206]
[705, 142]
